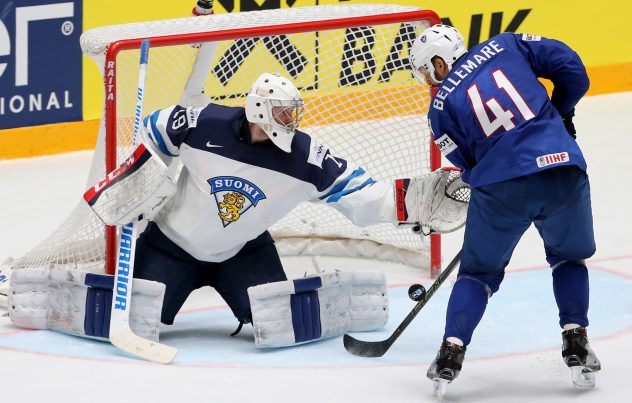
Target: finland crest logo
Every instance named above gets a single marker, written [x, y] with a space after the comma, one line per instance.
[234, 196]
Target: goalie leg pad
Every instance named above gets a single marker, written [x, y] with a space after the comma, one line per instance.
[297, 311]
[5, 274]
[79, 303]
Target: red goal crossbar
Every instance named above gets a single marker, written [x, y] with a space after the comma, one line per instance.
[110, 82]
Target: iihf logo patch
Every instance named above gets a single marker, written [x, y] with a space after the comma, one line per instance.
[551, 159]
[234, 196]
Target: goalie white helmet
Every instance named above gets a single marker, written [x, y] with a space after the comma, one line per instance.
[276, 105]
[438, 40]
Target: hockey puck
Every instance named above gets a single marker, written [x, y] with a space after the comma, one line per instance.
[416, 292]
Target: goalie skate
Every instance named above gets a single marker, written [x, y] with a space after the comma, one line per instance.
[446, 367]
[580, 358]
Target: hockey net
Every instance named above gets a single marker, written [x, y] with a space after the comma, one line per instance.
[350, 63]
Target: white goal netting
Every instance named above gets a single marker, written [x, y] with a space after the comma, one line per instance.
[349, 61]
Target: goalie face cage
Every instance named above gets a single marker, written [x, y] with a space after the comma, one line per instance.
[350, 63]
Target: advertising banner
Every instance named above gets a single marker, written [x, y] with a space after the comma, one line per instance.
[40, 62]
[570, 21]
[44, 79]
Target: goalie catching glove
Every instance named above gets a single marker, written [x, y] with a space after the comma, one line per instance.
[436, 202]
[142, 185]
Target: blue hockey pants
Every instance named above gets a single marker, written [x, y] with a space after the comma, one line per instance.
[557, 202]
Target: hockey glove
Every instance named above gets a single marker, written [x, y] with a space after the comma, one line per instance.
[436, 202]
[142, 185]
[568, 123]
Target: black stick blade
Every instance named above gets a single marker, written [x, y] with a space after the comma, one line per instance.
[365, 348]
[379, 348]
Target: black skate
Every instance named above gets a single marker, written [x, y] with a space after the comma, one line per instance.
[446, 367]
[580, 358]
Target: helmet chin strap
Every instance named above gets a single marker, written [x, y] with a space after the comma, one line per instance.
[433, 74]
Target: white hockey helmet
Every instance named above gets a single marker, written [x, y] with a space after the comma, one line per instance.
[276, 105]
[438, 40]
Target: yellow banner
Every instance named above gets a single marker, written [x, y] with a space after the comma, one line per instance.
[600, 38]
[600, 33]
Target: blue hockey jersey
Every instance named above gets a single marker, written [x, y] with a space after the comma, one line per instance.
[491, 116]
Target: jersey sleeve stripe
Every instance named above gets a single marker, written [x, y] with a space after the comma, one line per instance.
[337, 196]
[343, 184]
[157, 135]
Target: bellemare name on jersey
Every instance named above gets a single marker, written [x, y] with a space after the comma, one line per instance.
[472, 62]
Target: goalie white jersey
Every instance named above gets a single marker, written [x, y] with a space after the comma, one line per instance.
[231, 191]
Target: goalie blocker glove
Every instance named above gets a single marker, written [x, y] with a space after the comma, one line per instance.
[436, 202]
[141, 185]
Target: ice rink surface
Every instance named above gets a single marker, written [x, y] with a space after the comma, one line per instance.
[514, 355]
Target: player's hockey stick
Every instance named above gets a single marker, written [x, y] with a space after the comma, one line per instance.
[121, 334]
[194, 87]
[379, 348]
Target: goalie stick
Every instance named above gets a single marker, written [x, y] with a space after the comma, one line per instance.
[379, 348]
[192, 95]
[121, 335]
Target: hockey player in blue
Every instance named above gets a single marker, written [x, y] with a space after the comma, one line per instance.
[492, 118]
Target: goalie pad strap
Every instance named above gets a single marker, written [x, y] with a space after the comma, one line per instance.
[305, 308]
[79, 303]
[306, 316]
[318, 307]
[98, 310]
[307, 284]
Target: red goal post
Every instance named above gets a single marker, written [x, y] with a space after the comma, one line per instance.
[350, 63]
